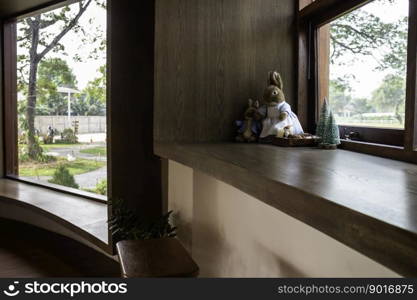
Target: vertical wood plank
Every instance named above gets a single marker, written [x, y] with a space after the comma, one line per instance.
[303, 74]
[135, 174]
[2, 156]
[410, 138]
[323, 56]
[10, 99]
[112, 247]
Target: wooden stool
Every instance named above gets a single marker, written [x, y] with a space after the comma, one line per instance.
[155, 258]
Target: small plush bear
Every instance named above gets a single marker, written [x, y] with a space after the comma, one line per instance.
[250, 127]
[277, 113]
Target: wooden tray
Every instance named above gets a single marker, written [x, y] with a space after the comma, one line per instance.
[291, 142]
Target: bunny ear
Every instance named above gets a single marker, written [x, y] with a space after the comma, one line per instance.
[279, 80]
[271, 78]
[250, 102]
[256, 104]
[275, 79]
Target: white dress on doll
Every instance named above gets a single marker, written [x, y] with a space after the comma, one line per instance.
[272, 124]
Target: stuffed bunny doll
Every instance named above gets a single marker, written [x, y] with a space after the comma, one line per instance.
[250, 127]
[277, 114]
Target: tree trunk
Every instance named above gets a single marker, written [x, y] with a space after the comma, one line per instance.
[34, 150]
[30, 112]
[33, 147]
[397, 113]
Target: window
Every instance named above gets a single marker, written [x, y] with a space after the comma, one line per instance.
[368, 64]
[360, 55]
[56, 97]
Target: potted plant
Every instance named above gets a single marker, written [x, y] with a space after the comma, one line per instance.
[126, 225]
[148, 248]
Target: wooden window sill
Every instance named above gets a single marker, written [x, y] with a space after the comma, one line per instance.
[84, 217]
[60, 188]
[387, 151]
[368, 203]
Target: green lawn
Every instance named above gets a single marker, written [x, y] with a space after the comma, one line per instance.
[376, 125]
[79, 166]
[95, 151]
[369, 123]
[55, 146]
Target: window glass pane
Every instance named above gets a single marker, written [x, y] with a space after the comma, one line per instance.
[368, 58]
[61, 96]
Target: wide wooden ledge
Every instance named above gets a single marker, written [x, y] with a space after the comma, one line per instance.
[85, 218]
[366, 202]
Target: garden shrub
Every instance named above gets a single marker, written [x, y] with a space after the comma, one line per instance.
[68, 136]
[47, 139]
[22, 138]
[40, 156]
[62, 176]
[101, 188]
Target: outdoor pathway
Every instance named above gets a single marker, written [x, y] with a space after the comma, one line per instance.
[75, 151]
[89, 180]
[85, 181]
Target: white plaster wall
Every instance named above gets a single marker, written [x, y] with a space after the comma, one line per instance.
[231, 234]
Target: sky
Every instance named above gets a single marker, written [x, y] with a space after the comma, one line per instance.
[87, 69]
[367, 80]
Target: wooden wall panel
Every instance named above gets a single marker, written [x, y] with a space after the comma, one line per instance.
[211, 56]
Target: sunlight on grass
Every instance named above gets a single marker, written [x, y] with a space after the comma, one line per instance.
[79, 166]
[56, 146]
[95, 151]
[374, 125]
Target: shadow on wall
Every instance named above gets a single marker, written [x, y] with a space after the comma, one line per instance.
[184, 229]
[223, 242]
[285, 268]
[209, 241]
[216, 257]
[232, 234]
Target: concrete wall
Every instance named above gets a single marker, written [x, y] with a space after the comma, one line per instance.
[231, 234]
[87, 124]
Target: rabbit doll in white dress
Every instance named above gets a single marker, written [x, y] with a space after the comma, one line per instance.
[279, 120]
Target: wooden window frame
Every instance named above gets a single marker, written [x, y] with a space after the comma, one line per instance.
[391, 143]
[137, 179]
[11, 159]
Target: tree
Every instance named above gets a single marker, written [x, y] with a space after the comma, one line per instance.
[340, 97]
[96, 89]
[39, 41]
[361, 106]
[390, 96]
[53, 73]
[363, 34]
[92, 101]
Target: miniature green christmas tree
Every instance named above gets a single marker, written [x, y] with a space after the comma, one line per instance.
[331, 136]
[323, 119]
